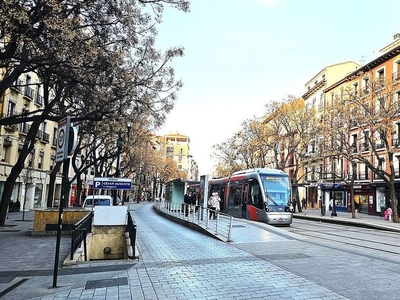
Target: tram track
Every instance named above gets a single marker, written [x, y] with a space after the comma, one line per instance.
[327, 233]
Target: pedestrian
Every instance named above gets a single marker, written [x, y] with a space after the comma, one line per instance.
[330, 204]
[188, 201]
[213, 204]
[303, 203]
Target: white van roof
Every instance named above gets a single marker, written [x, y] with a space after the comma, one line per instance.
[98, 200]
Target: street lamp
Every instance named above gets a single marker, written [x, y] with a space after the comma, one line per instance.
[120, 143]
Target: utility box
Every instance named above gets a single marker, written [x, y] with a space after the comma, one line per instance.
[108, 233]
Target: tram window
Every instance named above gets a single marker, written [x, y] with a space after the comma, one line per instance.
[256, 197]
[235, 197]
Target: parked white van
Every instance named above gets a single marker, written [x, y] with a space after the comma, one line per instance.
[98, 200]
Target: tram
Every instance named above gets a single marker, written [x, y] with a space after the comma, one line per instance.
[258, 194]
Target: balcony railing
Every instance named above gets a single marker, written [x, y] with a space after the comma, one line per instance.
[396, 76]
[46, 137]
[29, 92]
[365, 146]
[24, 128]
[38, 99]
[16, 86]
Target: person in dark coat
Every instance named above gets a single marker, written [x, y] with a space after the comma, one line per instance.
[188, 201]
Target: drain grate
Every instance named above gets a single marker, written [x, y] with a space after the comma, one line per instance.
[9, 230]
[237, 226]
[94, 284]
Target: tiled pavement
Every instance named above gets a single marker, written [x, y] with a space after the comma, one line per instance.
[175, 263]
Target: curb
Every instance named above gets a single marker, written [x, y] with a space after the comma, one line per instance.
[349, 222]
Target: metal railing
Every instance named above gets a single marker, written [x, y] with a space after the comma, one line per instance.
[79, 232]
[131, 230]
[220, 226]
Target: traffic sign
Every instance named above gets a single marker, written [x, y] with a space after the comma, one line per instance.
[62, 139]
[112, 183]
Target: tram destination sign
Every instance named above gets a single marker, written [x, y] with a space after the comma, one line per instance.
[110, 183]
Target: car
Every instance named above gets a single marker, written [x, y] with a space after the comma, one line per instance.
[98, 200]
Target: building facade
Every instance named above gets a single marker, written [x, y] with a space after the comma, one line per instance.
[31, 187]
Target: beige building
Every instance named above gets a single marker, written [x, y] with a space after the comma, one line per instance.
[315, 99]
[31, 186]
[177, 146]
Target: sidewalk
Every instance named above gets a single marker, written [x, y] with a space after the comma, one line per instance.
[27, 264]
[361, 220]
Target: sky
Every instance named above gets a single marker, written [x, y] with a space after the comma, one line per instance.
[242, 54]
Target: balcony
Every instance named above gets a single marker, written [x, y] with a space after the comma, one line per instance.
[46, 137]
[38, 99]
[396, 77]
[29, 93]
[16, 86]
[380, 145]
[43, 136]
[24, 128]
[365, 92]
[365, 147]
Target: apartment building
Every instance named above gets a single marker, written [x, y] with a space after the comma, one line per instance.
[314, 98]
[370, 96]
[31, 187]
[177, 146]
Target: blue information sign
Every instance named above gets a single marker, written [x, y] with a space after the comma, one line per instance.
[112, 183]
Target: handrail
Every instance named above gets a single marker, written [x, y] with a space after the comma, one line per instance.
[221, 226]
[79, 231]
[131, 229]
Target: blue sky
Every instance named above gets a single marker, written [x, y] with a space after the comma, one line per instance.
[242, 54]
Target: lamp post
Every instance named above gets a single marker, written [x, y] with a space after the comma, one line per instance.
[120, 143]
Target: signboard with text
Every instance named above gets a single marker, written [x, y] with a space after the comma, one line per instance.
[62, 139]
[112, 183]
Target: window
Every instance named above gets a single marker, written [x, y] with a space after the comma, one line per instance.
[380, 80]
[6, 153]
[55, 132]
[380, 104]
[365, 86]
[355, 89]
[354, 138]
[321, 101]
[170, 150]
[52, 162]
[396, 71]
[11, 108]
[40, 160]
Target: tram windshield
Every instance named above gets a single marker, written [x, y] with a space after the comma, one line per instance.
[276, 189]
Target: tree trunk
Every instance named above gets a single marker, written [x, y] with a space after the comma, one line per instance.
[393, 199]
[52, 183]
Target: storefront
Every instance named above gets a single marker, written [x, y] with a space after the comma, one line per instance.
[335, 191]
[364, 199]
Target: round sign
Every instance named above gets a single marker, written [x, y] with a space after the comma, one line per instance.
[61, 138]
